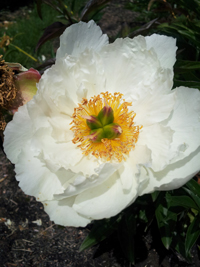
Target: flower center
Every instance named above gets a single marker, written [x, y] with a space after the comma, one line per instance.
[104, 127]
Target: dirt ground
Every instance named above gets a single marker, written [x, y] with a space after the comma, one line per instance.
[28, 238]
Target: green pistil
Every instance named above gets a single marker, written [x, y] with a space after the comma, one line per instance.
[93, 122]
[106, 115]
[102, 126]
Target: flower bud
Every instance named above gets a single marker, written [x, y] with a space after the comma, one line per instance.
[112, 131]
[25, 83]
[92, 122]
[106, 115]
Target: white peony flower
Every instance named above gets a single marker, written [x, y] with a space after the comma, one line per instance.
[105, 127]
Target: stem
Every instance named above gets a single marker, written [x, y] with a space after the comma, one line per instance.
[24, 52]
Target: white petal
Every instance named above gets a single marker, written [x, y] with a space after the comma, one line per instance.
[56, 91]
[185, 122]
[117, 192]
[153, 108]
[61, 212]
[90, 76]
[164, 47]
[174, 175]
[64, 154]
[106, 200]
[80, 36]
[86, 165]
[85, 78]
[184, 151]
[60, 124]
[132, 69]
[158, 139]
[35, 178]
[140, 156]
[17, 133]
[80, 182]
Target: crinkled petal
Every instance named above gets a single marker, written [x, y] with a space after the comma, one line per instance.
[158, 139]
[185, 122]
[35, 178]
[116, 193]
[17, 133]
[90, 77]
[60, 124]
[152, 108]
[87, 73]
[92, 71]
[37, 116]
[174, 175]
[164, 47]
[140, 156]
[64, 154]
[81, 182]
[104, 201]
[80, 36]
[56, 91]
[184, 151]
[61, 212]
[128, 64]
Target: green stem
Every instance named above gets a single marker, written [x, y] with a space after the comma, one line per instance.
[24, 52]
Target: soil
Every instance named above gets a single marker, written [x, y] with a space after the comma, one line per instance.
[27, 236]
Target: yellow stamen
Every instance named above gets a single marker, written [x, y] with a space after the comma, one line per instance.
[115, 149]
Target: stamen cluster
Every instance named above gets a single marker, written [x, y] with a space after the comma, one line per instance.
[104, 127]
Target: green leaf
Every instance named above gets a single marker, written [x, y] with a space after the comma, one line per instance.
[39, 4]
[166, 221]
[101, 230]
[195, 197]
[154, 195]
[64, 10]
[143, 216]
[180, 246]
[183, 201]
[166, 225]
[73, 5]
[194, 187]
[183, 30]
[190, 84]
[187, 65]
[126, 234]
[192, 234]
[192, 5]
[191, 76]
